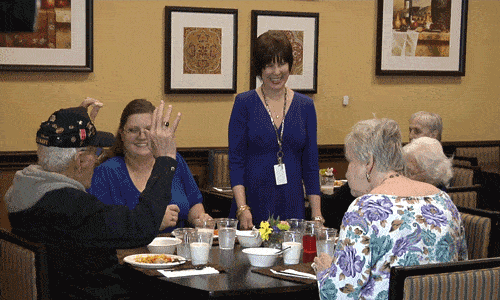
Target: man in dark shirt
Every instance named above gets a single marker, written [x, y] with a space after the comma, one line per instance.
[48, 203]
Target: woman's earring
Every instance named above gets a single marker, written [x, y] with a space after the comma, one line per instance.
[367, 177]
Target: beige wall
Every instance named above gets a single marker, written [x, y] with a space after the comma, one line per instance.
[129, 63]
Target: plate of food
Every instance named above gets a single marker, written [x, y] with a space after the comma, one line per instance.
[339, 183]
[154, 261]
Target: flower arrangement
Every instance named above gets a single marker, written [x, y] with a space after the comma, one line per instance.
[272, 228]
[330, 172]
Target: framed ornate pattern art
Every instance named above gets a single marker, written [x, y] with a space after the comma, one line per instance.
[302, 30]
[421, 37]
[62, 39]
[200, 50]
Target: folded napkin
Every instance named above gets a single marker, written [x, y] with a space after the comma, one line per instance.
[303, 274]
[305, 269]
[192, 272]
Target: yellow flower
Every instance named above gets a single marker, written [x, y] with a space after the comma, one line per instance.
[283, 225]
[265, 230]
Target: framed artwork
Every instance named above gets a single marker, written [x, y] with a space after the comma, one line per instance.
[302, 30]
[200, 50]
[421, 37]
[62, 39]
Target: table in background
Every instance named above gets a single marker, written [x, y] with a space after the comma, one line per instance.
[489, 197]
[237, 281]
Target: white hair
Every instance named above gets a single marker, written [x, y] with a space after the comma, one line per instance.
[55, 159]
[430, 158]
[430, 120]
[380, 138]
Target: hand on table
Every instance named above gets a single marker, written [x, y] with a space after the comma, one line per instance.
[322, 262]
[246, 220]
[171, 216]
[205, 217]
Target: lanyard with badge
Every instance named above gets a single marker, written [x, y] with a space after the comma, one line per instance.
[279, 169]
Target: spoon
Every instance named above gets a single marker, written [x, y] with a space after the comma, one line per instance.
[283, 250]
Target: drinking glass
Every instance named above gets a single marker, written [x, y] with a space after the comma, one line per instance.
[205, 226]
[309, 240]
[292, 239]
[296, 224]
[227, 233]
[185, 235]
[325, 240]
[200, 247]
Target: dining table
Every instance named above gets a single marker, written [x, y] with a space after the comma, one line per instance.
[236, 278]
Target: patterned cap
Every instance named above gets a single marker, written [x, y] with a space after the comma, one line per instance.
[72, 128]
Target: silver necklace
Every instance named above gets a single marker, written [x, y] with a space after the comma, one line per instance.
[267, 105]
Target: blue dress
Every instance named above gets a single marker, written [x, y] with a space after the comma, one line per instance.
[253, 151]
[381, 231]
[112, 184]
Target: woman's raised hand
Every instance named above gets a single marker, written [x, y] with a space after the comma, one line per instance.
[162, 133]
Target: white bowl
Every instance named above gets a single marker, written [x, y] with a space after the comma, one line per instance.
[164, 245]
[249, 238]
[262, 257]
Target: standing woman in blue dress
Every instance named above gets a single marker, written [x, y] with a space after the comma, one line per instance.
[273, 152]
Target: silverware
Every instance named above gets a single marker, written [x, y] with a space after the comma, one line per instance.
[283, 250]
[291, 275]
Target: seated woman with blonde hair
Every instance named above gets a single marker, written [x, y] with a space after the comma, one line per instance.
[395, 221]
[426, 162]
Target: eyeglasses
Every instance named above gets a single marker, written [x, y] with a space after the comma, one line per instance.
[135, 131]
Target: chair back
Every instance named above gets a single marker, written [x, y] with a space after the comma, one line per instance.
[462, 176]
[465, 161]
[23, 268]
[219, 169]
[477, 233]
[464, 196]
[494, 216]
[484, 155]
[471, 279]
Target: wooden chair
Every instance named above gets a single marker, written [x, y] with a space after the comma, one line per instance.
[494, 236]
[219, 169]
[477, 233]
[465, 161]
[465, 176]
[466, 196]
[471, 279]
[484, 155]
[23, 268]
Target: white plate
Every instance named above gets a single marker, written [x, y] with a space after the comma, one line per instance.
[131, 260]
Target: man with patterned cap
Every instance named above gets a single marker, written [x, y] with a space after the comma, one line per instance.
[48, 203]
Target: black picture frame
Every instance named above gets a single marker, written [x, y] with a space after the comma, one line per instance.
[77, 58]
[425, 46]
[305, 23]
[181, 75]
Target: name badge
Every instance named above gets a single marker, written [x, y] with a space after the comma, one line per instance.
[280, 174]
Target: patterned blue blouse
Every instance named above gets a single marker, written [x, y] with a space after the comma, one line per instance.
[381, 231]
